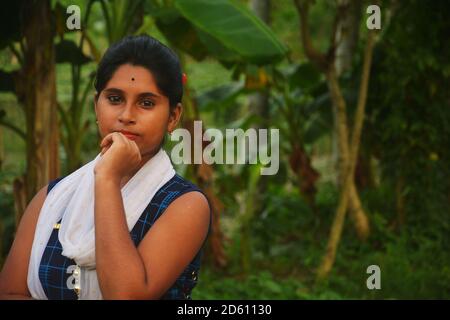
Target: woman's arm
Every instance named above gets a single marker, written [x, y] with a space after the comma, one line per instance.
[13, 278]
[146, 272]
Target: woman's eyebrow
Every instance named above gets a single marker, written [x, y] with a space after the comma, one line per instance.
[141, 95]
[148, 94]
[114, 90]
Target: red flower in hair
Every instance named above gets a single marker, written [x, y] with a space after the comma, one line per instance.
[184, 78]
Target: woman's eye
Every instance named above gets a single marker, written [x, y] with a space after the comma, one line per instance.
[114, 99]
[147, 103]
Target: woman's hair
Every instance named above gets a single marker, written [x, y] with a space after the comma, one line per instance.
[149, 53]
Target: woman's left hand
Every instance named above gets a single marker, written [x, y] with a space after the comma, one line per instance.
[119, 156]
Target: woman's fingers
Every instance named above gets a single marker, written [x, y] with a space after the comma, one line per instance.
[106, 140]
[104, 149]
[110, 138]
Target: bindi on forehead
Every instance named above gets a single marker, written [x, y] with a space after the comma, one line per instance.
[132, 79]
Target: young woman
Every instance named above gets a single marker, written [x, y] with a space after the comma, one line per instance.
[125, 225]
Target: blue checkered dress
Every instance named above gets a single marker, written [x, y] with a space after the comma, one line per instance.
[53, 270]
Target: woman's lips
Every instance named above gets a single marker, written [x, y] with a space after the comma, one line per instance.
[129, 135]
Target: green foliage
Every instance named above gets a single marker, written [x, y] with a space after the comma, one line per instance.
[122, 17]
[259, 285]
[233, 28]
[416, 267]
[409, 108]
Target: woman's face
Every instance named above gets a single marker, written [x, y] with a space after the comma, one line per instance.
[132, 102]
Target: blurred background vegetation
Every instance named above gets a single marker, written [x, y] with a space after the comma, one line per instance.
[364, 156]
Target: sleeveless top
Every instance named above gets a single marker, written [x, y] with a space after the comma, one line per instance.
[54, 270]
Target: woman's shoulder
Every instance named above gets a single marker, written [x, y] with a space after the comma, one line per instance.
[175, 195]
[195, 196]
[176, 187]
[13, 278]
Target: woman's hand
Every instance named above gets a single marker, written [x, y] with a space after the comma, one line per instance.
[119, 157]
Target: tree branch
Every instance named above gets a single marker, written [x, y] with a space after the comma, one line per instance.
[362, 98]
[318, 58]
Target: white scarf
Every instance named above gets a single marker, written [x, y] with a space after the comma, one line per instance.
[72, 199]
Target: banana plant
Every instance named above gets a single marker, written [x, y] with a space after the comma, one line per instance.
[74, 127]
[223, 29]
[299, 99]
[122, 17]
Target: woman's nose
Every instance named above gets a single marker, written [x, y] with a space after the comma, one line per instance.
[127, 116]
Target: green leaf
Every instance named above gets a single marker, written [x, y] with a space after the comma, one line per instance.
[217, 49]
[304, 76]
[221, 96]
[180, 33]
[235, 27]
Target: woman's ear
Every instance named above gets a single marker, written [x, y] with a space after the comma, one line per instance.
[174, 117]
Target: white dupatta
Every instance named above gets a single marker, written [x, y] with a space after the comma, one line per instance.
[72, 199]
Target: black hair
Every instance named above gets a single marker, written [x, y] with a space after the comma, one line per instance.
[145, 51]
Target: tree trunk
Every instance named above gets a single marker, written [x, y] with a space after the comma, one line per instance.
[37, 91]
[335, 234]
[357, 214]
[346, 38]
[347, 33]
[349, 167]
